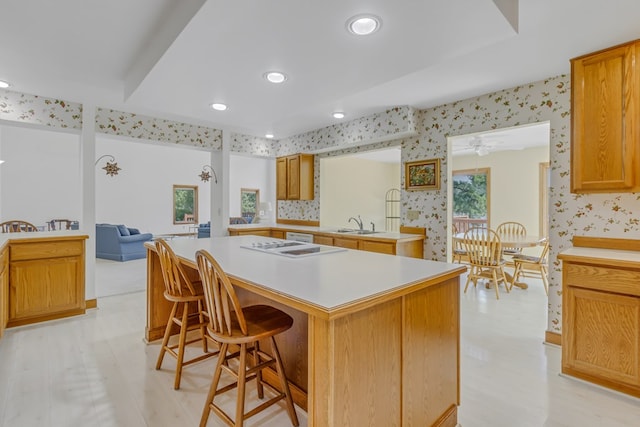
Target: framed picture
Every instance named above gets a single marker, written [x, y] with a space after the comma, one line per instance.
[422, 175]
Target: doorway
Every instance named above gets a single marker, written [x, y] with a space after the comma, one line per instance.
[513, 156]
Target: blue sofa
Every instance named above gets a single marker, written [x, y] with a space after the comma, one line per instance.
[120, 243]
[204, 230]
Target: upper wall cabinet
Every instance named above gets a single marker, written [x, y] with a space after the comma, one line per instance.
[294, 177]
[605, 140]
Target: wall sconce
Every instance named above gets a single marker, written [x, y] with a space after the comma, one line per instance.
[111, 167]
[206, 176]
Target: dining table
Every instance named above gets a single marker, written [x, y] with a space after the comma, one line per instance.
[512, 241]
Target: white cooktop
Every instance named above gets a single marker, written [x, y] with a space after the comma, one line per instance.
[289, 248]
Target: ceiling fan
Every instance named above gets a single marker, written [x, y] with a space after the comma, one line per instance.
[479, 145]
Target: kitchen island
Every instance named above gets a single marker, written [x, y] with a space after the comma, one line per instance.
[375, 340]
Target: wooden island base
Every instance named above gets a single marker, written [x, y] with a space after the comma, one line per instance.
[392, 360]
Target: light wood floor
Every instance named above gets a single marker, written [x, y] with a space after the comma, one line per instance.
[95, 370]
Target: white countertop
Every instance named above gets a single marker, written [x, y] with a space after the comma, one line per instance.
[327, 280]
[331, 230]
[4, 237]
[606, 254]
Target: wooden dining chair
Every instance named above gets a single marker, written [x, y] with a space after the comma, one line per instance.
[59, 224]
[241, 327]
[459, 252]
[188, 311]
[485, 258]
[537, 266]
[511, 229]
[17, 226]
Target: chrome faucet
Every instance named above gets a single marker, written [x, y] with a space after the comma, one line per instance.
[373, 226]
[358, 221]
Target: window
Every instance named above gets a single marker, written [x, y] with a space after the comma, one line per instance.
[185, 204]
[471, 198]
[249, 203]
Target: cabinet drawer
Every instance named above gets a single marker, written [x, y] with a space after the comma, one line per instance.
[607, 279]
[323, 240]
[345, 243]
[380, 247]
[43, 250]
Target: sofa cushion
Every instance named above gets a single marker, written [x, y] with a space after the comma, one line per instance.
[124, 231]
[133, 231]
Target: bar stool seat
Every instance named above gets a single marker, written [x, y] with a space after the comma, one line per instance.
[243, 327]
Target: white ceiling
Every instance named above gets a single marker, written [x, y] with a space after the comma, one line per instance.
[172, 59]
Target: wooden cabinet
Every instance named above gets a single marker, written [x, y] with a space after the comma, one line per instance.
[277, 234]
[605, 140]
[294, 177]
[323, 240]
[601, 319]
[4, 289]
[345, 243]
[46, 279]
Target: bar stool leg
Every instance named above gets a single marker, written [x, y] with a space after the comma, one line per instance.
[257, 360]
[242, 374]
[183, 339]
[167, 335]
[283, 381]
[222, 358]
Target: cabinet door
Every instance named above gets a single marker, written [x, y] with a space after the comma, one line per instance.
[293, 177]
[602, 335]
[281, 178]
[277, 234]
[605, 153]
[45, 286]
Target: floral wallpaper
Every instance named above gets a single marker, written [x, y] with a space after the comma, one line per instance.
[144, 127]
[252, 145]
[37, 110]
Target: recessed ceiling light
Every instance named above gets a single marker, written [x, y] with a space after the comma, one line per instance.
[219, 107]
[269, 135]
[275, 76]
[338, 115]
[363, 25]
[4, 84]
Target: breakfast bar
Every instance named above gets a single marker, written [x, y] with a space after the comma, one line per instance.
[375, 340]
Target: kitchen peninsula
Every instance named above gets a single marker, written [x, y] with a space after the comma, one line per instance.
[375, 340]
[404, 244]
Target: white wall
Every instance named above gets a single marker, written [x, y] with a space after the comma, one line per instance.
[141, 195]
[40, 176]
[514, 184]
[252, 172]
[350, 187]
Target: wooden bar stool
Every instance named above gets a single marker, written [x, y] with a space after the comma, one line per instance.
[232, 325]
[184, 293]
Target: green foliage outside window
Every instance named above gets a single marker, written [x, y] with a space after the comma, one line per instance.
[470, 195]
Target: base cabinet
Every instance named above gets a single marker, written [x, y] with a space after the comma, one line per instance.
[4, 289]
[413, 248]
[46, 279]
[601, 322]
